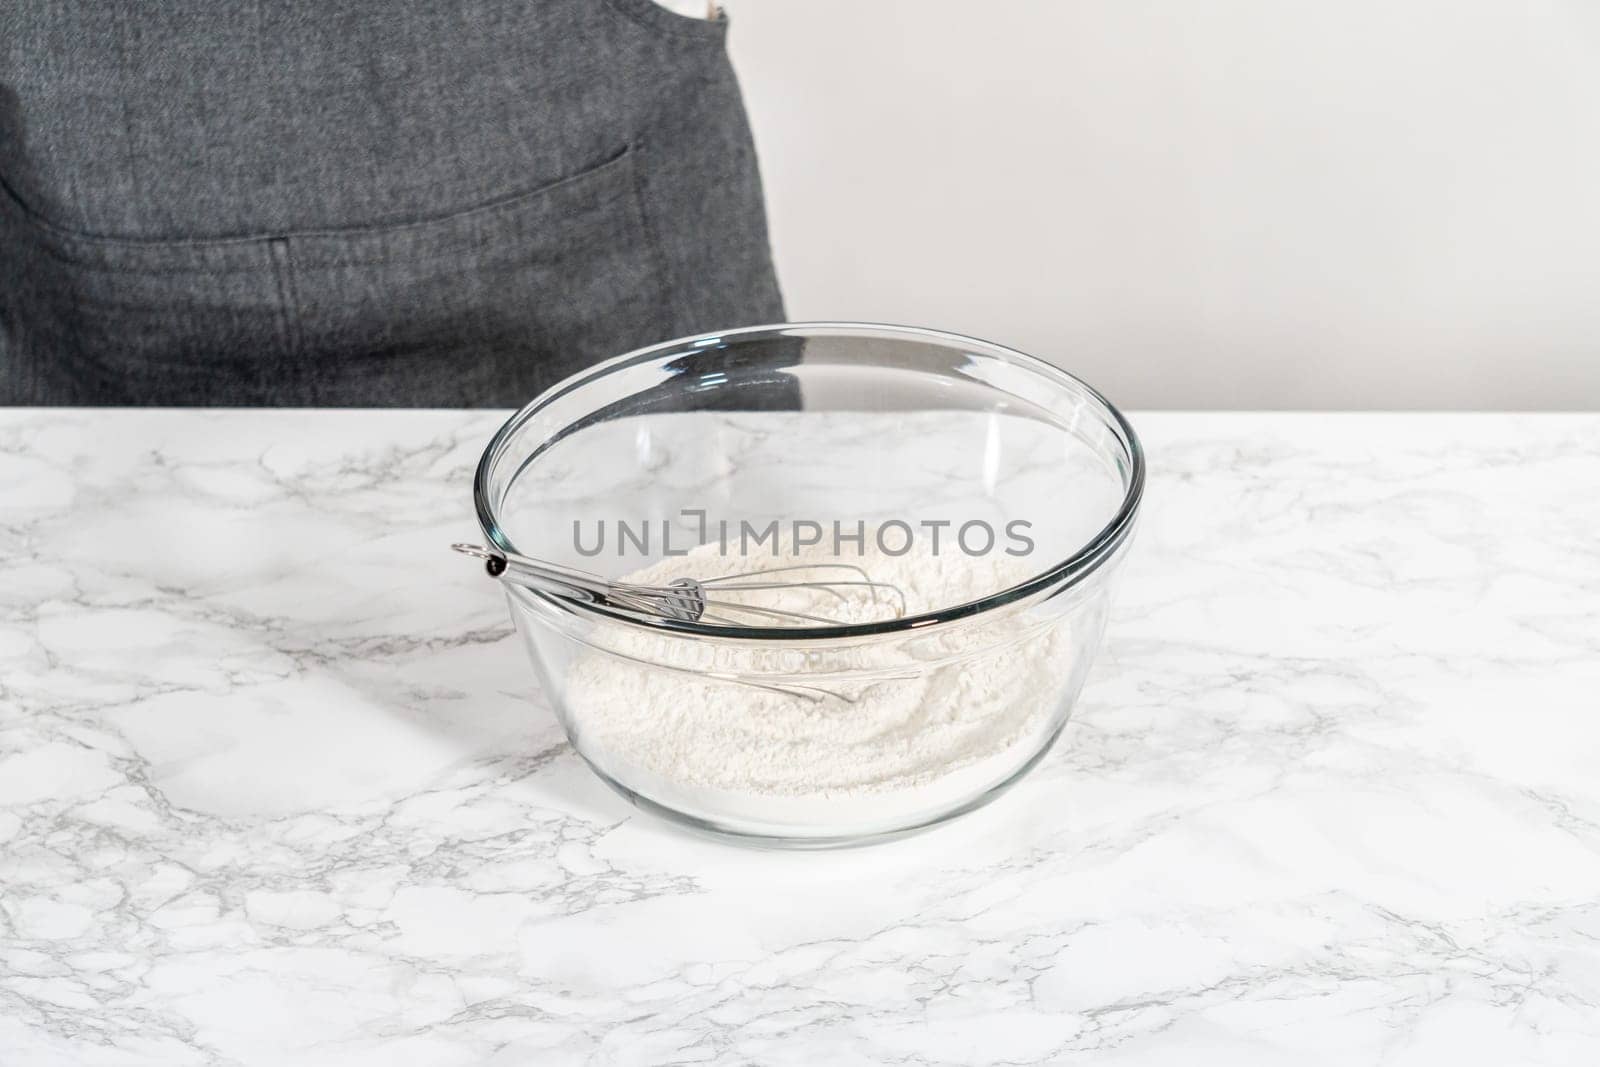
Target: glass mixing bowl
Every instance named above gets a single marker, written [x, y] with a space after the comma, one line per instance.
[1012, 486]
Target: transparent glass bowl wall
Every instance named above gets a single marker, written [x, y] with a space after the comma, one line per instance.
[817, 422]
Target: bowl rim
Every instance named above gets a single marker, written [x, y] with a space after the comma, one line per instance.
[1048, 583]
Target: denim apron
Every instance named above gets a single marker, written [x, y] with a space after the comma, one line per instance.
[363, 202]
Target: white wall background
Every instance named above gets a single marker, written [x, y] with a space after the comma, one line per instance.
[1237, 203]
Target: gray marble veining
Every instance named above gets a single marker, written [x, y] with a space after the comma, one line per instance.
[276, 787]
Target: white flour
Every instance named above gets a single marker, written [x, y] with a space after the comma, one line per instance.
[971, 715]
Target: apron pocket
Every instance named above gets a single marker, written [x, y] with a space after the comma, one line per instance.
[484, 306]
[104, 321]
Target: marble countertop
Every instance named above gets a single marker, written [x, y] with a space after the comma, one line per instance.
[276, 786]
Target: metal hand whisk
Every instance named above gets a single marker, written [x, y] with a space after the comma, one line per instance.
[693, 599]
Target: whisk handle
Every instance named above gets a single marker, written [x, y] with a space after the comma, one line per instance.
[536, 574]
